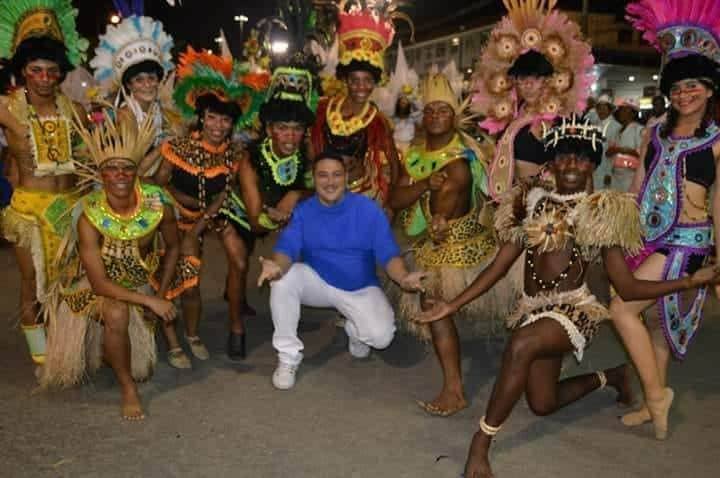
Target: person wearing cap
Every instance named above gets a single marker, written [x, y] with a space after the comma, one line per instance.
[679, 205]
[624, 150]
[560, 231]
[37, 122]
[442, 194]
[340, 237]
[605, 120]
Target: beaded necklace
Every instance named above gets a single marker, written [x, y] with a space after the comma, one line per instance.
[138, 223]
[202, 193]
[50, 137]
[284, 170]
[552, 283]
[421, 163]
[340, 126]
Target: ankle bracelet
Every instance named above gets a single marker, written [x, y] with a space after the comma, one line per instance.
[489, 430]
[602, 378]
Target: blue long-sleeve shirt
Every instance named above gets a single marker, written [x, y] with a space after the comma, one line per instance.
[343, 242]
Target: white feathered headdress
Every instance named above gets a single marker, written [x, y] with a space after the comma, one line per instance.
[134, 40]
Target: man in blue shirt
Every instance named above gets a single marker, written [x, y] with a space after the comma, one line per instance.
[340, 237]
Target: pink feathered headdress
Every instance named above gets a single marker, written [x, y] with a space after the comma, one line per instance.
[679, 27]
[533, 25]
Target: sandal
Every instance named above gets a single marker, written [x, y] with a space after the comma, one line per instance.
[178, 359]
[437, 411]
[197, 348]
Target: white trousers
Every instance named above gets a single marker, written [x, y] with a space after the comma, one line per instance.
[370, 318]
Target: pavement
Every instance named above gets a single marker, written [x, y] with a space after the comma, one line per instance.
[344, 418]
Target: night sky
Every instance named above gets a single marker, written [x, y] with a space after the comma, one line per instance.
[198, 21]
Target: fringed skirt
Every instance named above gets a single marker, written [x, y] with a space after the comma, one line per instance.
[75, 338]
[487, 313]
[37, 221]
[578, 311]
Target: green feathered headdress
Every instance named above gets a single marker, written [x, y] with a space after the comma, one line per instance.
[202, 73]
[23, 19]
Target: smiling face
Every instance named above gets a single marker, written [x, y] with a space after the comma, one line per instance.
[42, 77]
[690, 97]
[118, 177]
[286, 136]
[144, 87]
[360, 85]
[530, 88]
[330, 178]
[438, 118]
[216, 127]
[571, 172]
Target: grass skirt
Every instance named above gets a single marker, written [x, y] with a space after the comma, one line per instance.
[487, 313]
[75, 338]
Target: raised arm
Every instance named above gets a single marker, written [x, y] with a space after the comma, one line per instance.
[629, 288]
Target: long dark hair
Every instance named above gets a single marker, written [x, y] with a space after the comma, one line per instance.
[709, 116]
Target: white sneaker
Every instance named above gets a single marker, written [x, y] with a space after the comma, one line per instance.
[357, 348]
[284, 376]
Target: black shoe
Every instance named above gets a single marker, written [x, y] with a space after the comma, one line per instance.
[236, 346]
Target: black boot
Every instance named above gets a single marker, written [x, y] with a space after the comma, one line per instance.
[236, 346]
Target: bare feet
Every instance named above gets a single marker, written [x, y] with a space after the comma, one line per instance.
[477, 464]
[446, 404]
[619, 379]
[131, 408]
[659, 410]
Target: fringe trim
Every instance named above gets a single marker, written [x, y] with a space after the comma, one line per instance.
[75, 343]
[25, 232]
[169, 154]
[581, 299]
[607, 219]
[486, 313]
[507, 224]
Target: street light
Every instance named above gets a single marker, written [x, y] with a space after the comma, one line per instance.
[655, 77]
[279, 47]
[115, 19]
[241, 19]
[631, 78]
[219, 40]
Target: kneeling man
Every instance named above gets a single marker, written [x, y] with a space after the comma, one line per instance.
[340, 236]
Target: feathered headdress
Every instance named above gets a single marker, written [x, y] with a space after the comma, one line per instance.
[23, 19]
[532, 25]
[201, 73]
[134, 40]
[294, 76]
[686, 32]
[366, 30]
[112, 139]
[404, 81]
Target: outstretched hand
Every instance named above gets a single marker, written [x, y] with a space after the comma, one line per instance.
[708, 275]
[270, 271]
[439, 310]
[413, 281]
